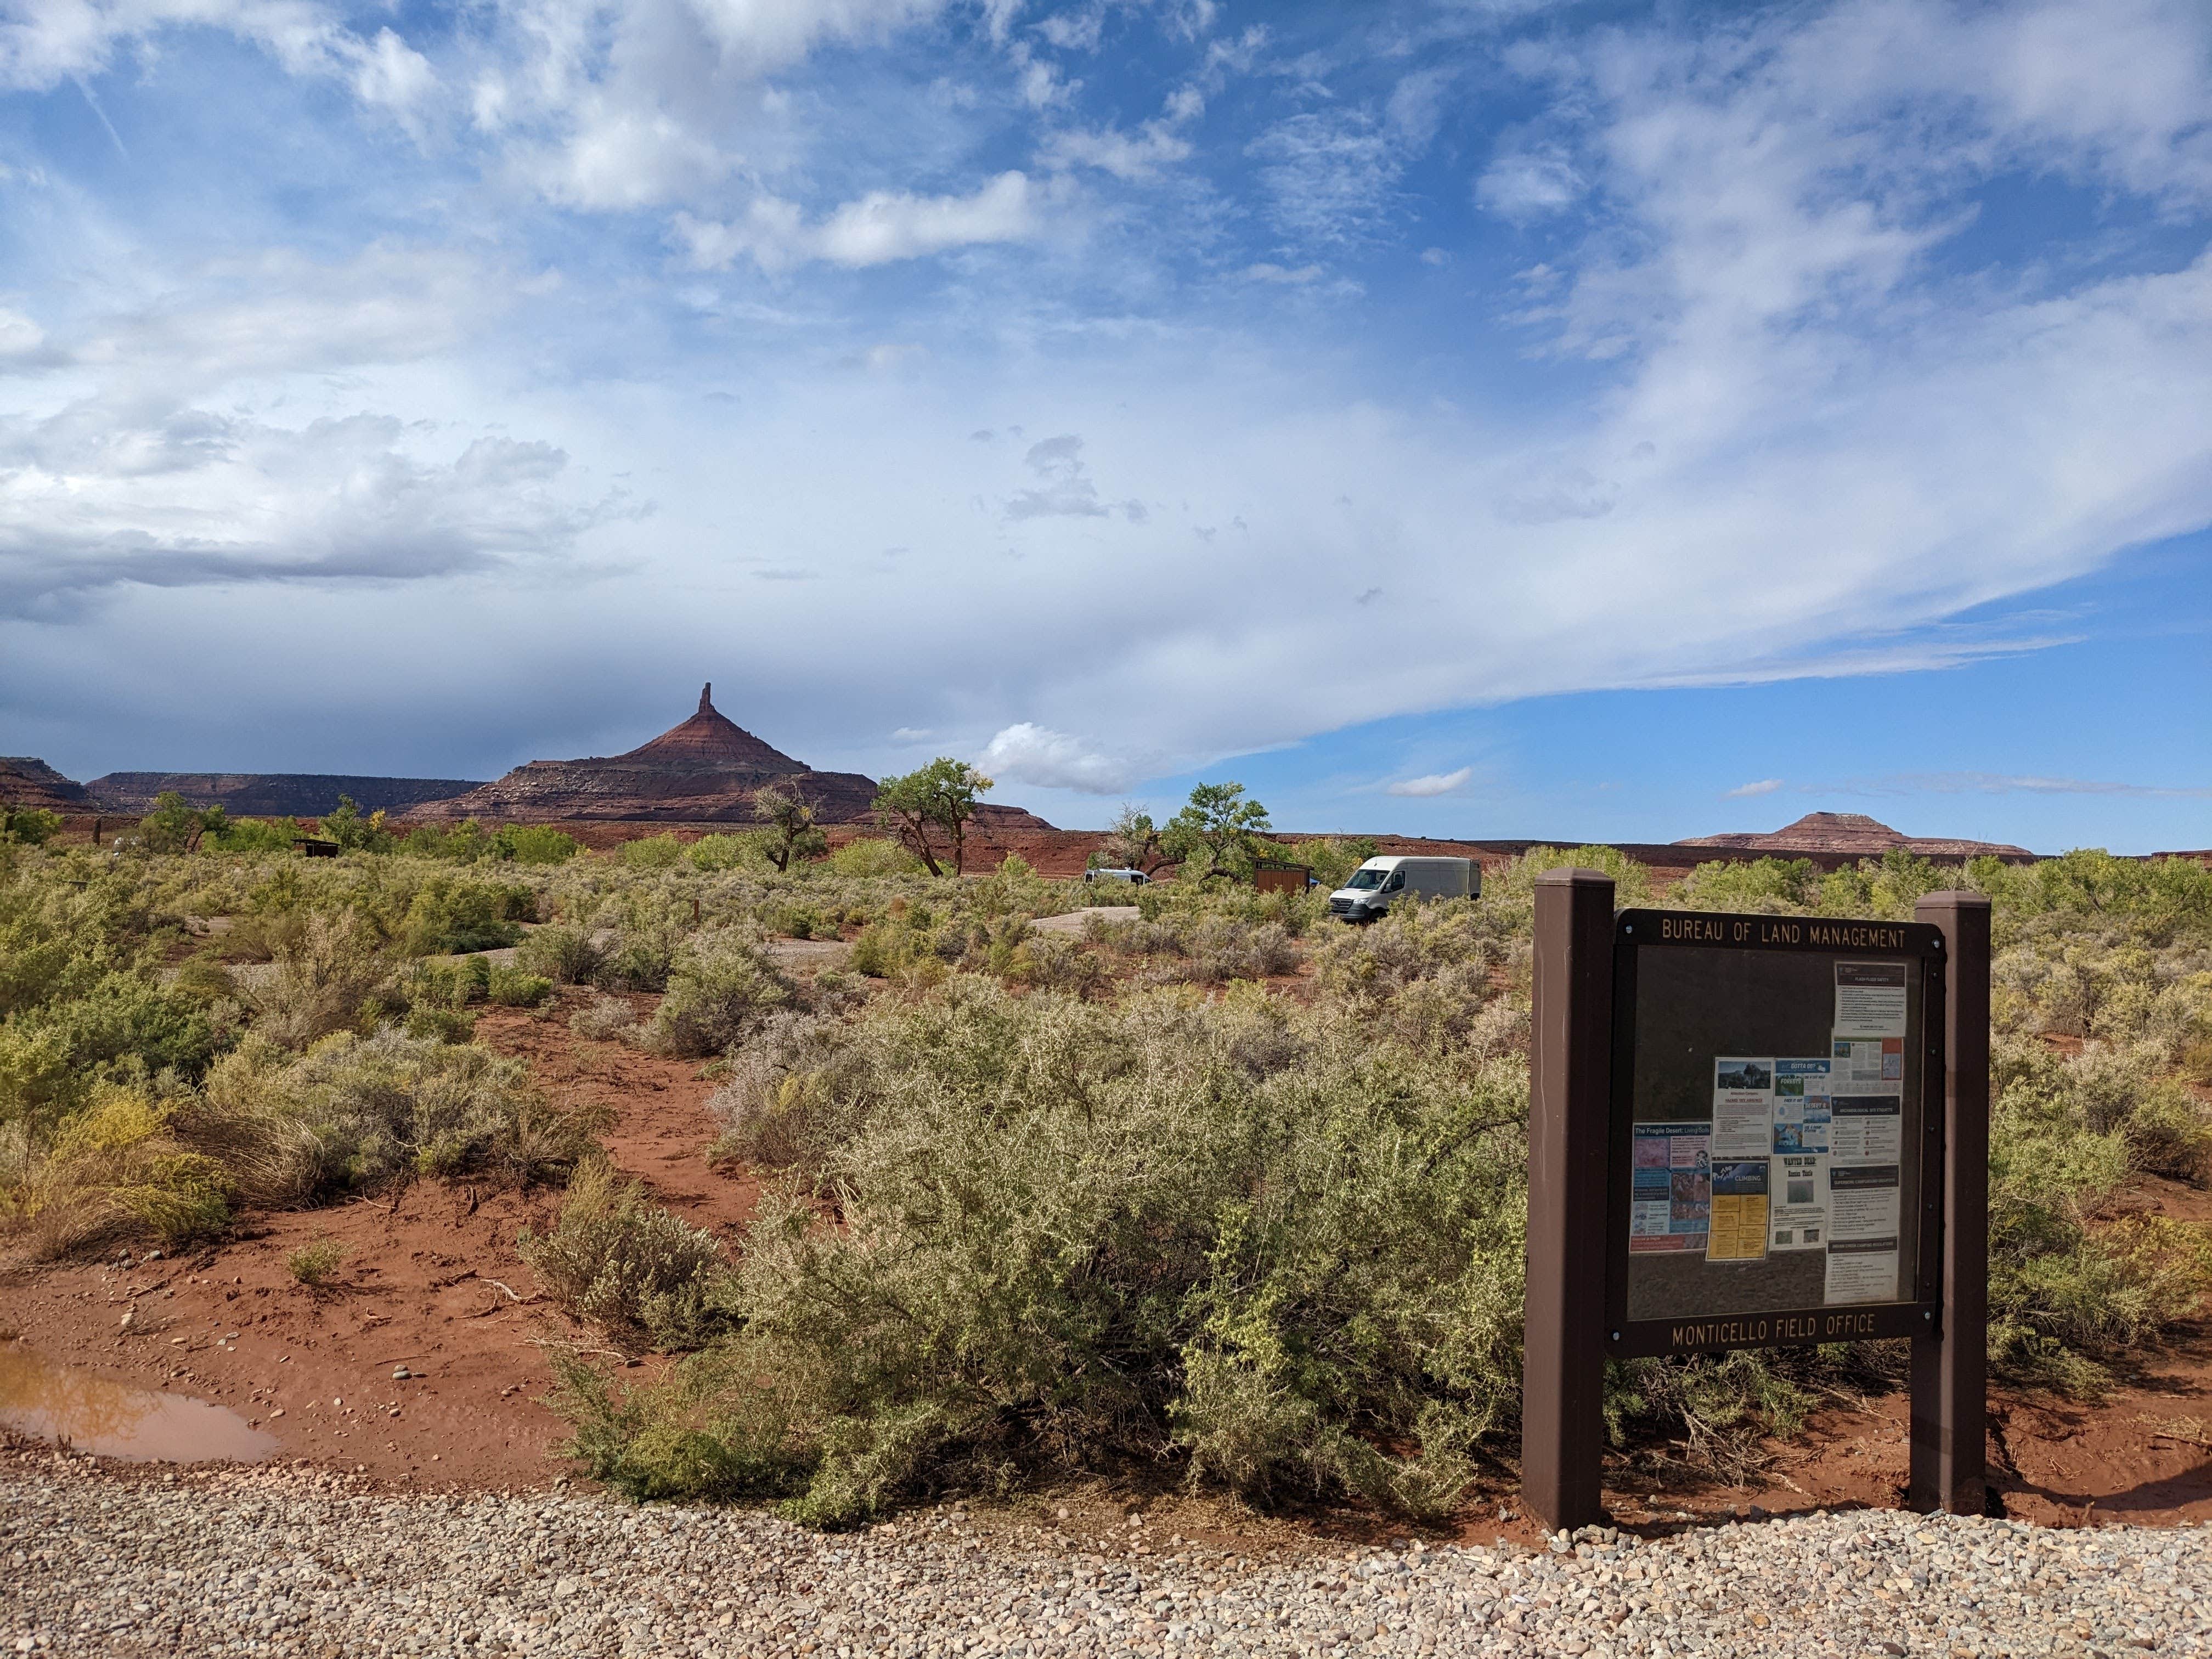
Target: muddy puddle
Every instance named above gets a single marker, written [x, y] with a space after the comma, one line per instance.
[45, 1400]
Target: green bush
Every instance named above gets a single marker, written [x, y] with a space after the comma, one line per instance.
[1078, 1232]
[356, 1112]
[562, 954]
[27, 826]
[254, 836]
[872, 855]
[718, 988]
[623, 1264]
[719, 852]
[662, 852]
[511, 988]
[450, 915]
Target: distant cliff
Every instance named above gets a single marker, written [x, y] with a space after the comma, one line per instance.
[1852, 833]
[25, 781]
[268, 794]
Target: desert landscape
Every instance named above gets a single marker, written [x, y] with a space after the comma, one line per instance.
[502, 1161]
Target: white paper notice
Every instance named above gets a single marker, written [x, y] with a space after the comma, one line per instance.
[1862, 1203]
[1798, 1208]
[1866, 1128]
[1861, 1272]
[1743, 1108]
[1870, 999]
[1868, 1066]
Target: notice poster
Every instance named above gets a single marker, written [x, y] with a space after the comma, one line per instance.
[1870, 999]
[1863, 1200]
[1868, 1066]
[1799, 1203]
[1862, 1271]
[1670, 1197]
[1739, 1214]
[1866, 1128]
[1743, 1107]
[1801, 1105]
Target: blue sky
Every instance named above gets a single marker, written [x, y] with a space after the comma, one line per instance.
[1449, 417]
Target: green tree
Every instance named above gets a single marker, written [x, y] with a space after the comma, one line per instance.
[1133, 843]
[27, 826]
[356, 831]
[789, 820]
[1219, 823]
[930, 809]
[175, 827]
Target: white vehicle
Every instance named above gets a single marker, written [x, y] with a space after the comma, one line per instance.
[1376, 883]
[1129, 877]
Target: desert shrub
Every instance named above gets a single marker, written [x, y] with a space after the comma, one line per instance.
[1782, 886]
[252, 835]
[358, 1112]
[450, 915]
[1016, 889]
[795, 1092]
[1053, 962]
[559, 952]
[872, 855]
[1204, 947]
[722, 851]
[603, 1018]
[316, 1263]
[620, 1262]
[535, 843]
[432, 1023]
[1512, 891]
[799, 921]
[114, 1169]
[640, 959]
[1423, 973]
[511, 988]
[662, 852]
[317, 980]
[720, 986]
[1075, 1232]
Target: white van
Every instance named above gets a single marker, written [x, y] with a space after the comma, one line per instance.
[1374, 883]
[1127, 878]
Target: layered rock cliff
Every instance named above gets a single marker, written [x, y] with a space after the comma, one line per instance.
[28, 782]
[1852, 833]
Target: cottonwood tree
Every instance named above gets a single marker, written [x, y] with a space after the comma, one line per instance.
[787, 821]
[1133, 843]
[930, 809]
[1218, 822]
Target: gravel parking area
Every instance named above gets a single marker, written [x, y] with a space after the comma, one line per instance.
[280, 1561]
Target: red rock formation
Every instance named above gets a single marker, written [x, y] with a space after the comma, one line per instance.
[32, 783]
[1855, 833]
[702, 771]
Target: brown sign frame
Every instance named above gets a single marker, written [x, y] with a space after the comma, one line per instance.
[1638, 931]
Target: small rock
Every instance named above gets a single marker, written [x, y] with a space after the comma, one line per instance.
[400, 1373]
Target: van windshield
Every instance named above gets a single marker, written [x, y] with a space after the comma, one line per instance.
[1363, 880]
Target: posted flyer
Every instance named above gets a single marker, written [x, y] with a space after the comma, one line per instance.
[1799, 1202]
[1864, 1271]
[1670, 1198]
[1870, 999]
[1743, 1107]
[1738, 1212]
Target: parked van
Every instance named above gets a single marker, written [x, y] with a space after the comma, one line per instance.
[1129, 877]
[1378, 882]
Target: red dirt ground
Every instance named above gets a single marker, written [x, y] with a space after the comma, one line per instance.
[433, 1281]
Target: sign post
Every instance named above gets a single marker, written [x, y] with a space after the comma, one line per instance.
[1753, 1131]
[1950, 1424]
[1570, 1074]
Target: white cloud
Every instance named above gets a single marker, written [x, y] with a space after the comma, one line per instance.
[1064, 488]
[1528, 184]
[1267, 271]
[879, 227]
[1124, 156]
[1331, 177]
[1029, 753]
[1749, 790]
[1435, 783]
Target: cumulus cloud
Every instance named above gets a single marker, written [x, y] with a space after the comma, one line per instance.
[1528, 184]
[1433, 784]
[1749, 791]
[1029, 753]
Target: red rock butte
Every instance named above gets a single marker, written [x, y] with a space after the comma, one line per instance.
[701, 771]
[1853, 833]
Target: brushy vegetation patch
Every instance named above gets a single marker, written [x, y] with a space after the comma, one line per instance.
[1039, 1204]
[645, 1278]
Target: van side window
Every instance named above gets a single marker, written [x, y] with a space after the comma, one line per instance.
[1396, 882]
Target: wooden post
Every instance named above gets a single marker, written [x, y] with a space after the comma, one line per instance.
[1570, 1088]
[1949, 1399]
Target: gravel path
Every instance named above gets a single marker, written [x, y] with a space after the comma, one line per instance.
[254, 1562]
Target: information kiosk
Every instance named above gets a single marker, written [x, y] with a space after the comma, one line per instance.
[1753, 1131]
